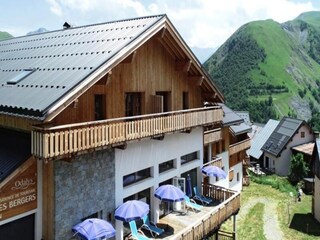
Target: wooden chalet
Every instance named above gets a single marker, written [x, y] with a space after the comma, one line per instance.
[95, 115]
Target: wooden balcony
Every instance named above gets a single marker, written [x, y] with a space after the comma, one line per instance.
[239, 146]
[64, 140]
[212, 136]
[200, 225]
[215, 161]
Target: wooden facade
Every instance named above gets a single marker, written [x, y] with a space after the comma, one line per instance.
[150, 72]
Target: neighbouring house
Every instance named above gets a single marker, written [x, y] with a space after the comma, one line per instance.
[96, 115]
[257, 142]
[277, 150]
[230, 149]
[316, 189]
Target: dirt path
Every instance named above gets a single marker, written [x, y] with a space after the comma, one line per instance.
[271, 226]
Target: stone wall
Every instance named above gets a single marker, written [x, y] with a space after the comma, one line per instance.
[83, 187]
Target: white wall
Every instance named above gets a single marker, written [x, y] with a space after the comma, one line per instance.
[149, 153]
[225, 164]
[316, 194]
[235, 184]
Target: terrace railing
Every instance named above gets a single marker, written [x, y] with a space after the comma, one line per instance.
[239, 146]
[63, 140]
[210, 224]
[212, 136]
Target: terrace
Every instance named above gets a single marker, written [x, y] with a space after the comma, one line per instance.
[198, 225]
[62, 141]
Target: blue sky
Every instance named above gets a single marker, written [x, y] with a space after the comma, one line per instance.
[202, 23]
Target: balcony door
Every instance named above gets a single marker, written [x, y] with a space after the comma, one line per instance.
[133, 104]
[166, 100]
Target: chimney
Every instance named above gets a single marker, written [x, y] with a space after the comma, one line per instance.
[66, 25]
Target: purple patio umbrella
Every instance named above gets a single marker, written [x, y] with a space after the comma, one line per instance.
[169, 193]
[131, 210]
[94, 228]
[214, 171]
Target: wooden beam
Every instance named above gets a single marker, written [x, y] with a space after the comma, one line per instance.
[105, 79]
[183, 65]
[130, 58]
[161, 33]
[198, 80]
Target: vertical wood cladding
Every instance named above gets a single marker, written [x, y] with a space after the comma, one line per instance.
[151, 70]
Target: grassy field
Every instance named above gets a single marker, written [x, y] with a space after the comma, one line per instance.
[295, 219]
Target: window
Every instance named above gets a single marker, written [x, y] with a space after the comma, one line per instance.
[133, 104]
[136, 177]
[231, 175]
[21, 75]
[99, 107]
[189, 157]
[185, 99]
[166, 166]
[238, 176]
[94, 215]
[302, 134]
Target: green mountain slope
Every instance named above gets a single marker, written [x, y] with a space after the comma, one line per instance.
[271, 69]
[5, 35]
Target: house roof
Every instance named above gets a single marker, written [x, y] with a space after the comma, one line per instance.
[306, 148]
[240, 129]
[10, 159]
[245, 116]
[42, 74]
[260, 139]
[229, 116]
[280, 137]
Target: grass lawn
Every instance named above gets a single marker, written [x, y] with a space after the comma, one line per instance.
[295, 219]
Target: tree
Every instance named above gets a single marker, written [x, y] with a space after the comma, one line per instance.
[298, 168]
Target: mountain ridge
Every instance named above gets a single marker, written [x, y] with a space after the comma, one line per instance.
[271, 69]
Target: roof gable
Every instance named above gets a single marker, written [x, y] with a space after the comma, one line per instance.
[281, 135]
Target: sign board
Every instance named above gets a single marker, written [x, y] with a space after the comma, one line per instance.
[19, 195]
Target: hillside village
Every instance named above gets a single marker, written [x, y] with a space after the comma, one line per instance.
[98, 116]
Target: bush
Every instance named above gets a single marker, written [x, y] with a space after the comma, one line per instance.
[277, 182]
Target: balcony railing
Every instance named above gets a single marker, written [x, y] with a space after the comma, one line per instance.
[212, 136]
[206, 224]
[239, 146]
[215, 161]
[59, 141]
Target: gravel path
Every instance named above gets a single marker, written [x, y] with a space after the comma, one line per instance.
[271, 226]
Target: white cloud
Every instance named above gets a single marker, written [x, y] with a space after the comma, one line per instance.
[55, 7]
[202, 23]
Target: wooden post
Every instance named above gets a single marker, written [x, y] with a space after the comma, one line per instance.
[234, 227]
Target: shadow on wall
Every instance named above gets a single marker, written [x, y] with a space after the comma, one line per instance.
[305, 223]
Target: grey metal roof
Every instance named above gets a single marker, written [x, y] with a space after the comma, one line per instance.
[281, 135]
[245, 116]
[229, 116]
[62, 60]
[240, 129]
[10, 158]
[260, 139]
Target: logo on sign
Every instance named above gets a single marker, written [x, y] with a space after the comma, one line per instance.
[23, 184]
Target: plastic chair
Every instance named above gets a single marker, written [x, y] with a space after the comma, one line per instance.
[202, 199]
[190, 203]
[134, 232]
[152, 227]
